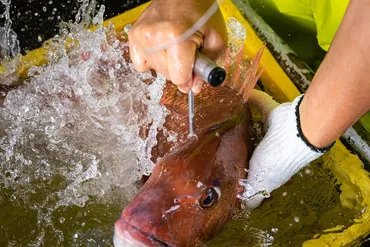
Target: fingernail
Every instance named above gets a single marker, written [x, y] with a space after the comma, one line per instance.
[183, 90]
[197, 86]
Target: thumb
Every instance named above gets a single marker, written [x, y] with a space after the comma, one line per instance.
[263, 102]
[259, 184]
[253, 202]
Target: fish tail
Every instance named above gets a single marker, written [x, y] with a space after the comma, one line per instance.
[251, 75]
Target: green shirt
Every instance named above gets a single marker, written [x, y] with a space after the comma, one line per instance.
[320, 16]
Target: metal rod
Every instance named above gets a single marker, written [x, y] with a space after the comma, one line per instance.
[191, 112]
[211, 73]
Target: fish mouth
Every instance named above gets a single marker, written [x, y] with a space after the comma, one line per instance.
[127, 235]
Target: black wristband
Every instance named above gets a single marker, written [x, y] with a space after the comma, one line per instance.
[303, 138]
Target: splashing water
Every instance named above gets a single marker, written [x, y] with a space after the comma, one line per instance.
[72, 136]
[85, 15]
[238, 35]
[9, 44]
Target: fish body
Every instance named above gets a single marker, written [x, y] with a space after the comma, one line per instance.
[192, 191]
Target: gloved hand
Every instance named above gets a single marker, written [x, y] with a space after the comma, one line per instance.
[282, 152]
[165, 21]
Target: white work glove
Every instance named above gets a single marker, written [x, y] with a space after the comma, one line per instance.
[282, 152]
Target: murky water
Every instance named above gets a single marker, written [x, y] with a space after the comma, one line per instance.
[72, 149]
[307, 205]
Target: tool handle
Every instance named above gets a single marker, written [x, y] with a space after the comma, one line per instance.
[209, 70]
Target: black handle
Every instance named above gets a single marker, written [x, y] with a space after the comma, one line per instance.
[209, 70]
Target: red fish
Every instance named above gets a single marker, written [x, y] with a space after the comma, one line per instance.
[193, 189]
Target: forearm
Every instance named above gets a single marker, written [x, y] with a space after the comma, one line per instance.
[340, 91]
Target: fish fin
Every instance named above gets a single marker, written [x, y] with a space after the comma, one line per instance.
[227, 60]
[251, 75]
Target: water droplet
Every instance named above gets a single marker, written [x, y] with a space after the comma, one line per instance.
[307, 171]
[126, 29]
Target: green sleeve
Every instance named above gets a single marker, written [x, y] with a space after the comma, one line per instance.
[321, 16]
[328, 15]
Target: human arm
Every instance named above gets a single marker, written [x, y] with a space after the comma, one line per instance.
[166, 20]
[302, 131]
[340, 91]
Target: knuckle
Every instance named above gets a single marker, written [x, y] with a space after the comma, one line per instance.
[137, 34]
[174, 30]
[147, 32]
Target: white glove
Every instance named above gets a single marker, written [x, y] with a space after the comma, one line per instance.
[281, 153]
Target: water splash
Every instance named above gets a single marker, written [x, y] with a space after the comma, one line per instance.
[9, 44]
[81, 109]
[78, 133]
[237, 35]
[85, 14]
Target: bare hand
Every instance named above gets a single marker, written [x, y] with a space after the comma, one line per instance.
[165, 20]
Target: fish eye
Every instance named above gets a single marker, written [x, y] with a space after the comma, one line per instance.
[209, 198]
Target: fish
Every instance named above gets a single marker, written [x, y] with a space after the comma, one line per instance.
[193, 189]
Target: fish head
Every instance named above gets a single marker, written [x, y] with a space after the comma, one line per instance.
[191, 193]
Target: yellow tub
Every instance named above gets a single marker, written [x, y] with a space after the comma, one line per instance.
[349, 170]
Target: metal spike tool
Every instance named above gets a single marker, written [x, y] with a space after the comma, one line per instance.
[211, 73]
